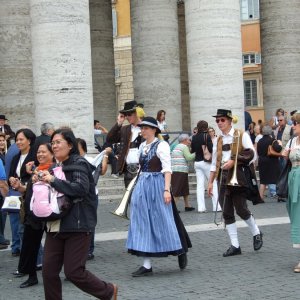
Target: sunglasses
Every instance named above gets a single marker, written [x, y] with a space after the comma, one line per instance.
[220, 120]
[295, 123]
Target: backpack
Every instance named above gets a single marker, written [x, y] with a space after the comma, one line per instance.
[46, 203]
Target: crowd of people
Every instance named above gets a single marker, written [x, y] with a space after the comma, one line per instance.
[138, 148]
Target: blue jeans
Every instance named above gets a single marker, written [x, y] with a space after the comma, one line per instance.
[92, 244]
[272, 189]
[16, 232]
[2, 226]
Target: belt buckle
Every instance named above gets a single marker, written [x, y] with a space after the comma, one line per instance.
[132, 168]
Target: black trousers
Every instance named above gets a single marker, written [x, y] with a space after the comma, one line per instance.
[70, 249]
[232, 198]
[30, 248]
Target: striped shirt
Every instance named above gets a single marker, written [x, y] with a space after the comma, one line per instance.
[180, 157]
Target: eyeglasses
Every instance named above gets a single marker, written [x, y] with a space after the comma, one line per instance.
[295, 123]
[57, 142]
[280, 120]
[220, 120]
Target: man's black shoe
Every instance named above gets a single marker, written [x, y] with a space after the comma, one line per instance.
[182, 261]
[231, 251]
[257, 241]
[142, 271]
[90, 256]
[29, 282]
[281, 199]
[3, 246]
[15, 254]
[18, 274]
[189, 208]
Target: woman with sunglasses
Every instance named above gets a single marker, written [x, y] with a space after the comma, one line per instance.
[292, 152]
[68, 239]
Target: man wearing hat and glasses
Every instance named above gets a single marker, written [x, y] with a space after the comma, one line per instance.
[4, 128]
[129, 138]
[233, 195]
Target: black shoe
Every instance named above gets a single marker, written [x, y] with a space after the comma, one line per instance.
[39, 268]
[281, 199]
[142, 271]
[18, 274]
[3, 246]
[15, 254]
[182, 261]
[231, 251]
[257, 241]
[189, 208]
[29, 282]
[90, 256]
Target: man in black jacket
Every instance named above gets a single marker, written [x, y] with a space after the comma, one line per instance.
[5, 128]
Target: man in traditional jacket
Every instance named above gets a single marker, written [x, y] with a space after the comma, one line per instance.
[129, 138]
[232, 151]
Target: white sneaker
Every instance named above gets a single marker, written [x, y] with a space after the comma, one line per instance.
[114, 176]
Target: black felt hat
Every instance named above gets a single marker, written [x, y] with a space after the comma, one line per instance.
[130, 106]
[151, 122]
[223, 113]
[2, 117]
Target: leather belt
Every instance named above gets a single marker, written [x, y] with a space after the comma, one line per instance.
[226, 147]
[132, 168]
[133, 145]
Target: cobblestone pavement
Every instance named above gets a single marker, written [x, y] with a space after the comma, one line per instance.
[265, 274]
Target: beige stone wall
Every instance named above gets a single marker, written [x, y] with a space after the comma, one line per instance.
[123, 66]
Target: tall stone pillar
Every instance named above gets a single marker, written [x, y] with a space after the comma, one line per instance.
[16, 91]
[105, 108]
[214, 58]
[155, 54]
[61, 56]
[280, 37]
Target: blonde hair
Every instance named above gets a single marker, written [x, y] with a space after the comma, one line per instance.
[140, 112]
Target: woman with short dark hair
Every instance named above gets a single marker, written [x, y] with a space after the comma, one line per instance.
[268, 166]
[202, 167]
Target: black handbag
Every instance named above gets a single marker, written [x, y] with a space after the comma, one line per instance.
[252, 189]
[282, 183]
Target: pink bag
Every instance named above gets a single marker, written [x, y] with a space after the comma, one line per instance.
[47, 203]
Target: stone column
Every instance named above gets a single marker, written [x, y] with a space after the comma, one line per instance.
[105, 108]
[61, 55]
[214, 58]
[16, 91]
[280, 36]
[155, 54]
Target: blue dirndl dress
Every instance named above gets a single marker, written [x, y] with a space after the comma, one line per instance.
[152, 231]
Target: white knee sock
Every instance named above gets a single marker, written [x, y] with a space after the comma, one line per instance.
[252, 225]
[232, 232]
[147, 263]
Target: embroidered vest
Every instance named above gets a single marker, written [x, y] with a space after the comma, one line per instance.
[233, 148]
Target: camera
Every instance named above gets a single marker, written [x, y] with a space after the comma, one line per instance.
[40, 175]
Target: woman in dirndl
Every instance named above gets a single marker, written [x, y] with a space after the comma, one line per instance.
[155, 227]
[292, 151]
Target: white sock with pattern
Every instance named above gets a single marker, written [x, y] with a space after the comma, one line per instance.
[147, 263]
[232, 232]
[252, 225]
